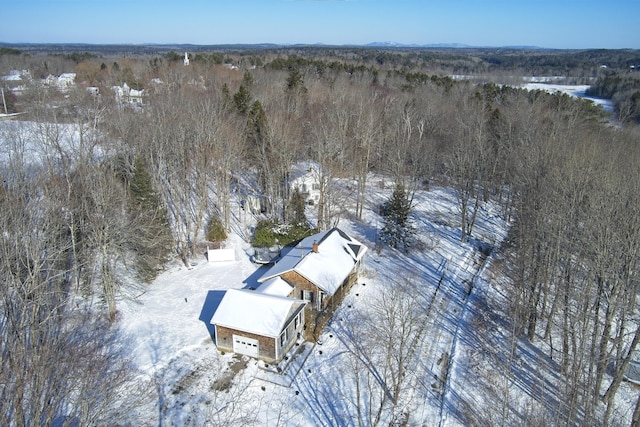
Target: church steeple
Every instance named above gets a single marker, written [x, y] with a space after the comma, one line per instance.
[186, 58]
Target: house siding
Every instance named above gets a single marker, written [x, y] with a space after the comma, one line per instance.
[316, 317]
[269, 348]
[267, 345]
[294, 332]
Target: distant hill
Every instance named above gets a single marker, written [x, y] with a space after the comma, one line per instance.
[439, 45]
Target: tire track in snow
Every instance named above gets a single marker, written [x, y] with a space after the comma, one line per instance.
[444, 398]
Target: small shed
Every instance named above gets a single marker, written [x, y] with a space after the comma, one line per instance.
[258, 324]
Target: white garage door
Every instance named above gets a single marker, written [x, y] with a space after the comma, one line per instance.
[244, 345]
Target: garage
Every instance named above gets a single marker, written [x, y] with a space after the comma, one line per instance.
[244, 345]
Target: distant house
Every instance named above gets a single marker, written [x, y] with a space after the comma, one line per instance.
[63, 82]
[126, 95]
[264, 323]
[93, 90]
[321, 269]
[305, 178]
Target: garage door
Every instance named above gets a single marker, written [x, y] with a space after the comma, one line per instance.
[244, 345]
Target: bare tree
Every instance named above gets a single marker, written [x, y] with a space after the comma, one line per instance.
[59, 362]
[384, 344]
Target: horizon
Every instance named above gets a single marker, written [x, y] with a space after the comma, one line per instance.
[571, 24]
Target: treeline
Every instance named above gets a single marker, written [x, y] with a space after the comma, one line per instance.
[624, 90]
[525, 61]
[101, 208]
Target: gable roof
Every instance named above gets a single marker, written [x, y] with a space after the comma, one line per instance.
[328, 268]
[275, 286]
[255, 312]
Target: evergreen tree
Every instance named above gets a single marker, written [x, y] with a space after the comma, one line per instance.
[242, 98]
[226, 96]
[295, 82]
[397, 230]
[215, 230]
[296, 207]
[247, 79]
[153, 237]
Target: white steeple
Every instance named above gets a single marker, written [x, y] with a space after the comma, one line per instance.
[186, 58]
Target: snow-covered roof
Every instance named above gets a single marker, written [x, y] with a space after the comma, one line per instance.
[302, 171]
[328, 268]
[275, 286]
[16, 76]
[255, 312]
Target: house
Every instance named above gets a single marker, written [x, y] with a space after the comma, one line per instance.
[62, 82]
[320, 269]
[126, 95]
[295, 298]
[305, 178]
[264, 323]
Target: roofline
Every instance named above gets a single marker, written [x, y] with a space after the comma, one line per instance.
[302, 305]
[327, 233]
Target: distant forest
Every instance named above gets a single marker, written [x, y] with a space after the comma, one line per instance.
[612, 74]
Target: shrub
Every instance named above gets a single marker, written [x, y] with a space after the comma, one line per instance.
[270, 231]
[215, 230]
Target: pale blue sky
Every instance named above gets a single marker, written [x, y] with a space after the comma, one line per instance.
[572, 24]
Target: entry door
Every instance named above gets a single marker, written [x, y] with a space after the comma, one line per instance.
[244, 345]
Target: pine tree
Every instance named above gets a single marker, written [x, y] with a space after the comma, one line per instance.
[215, 230]
[242, 98]
[153, 238]
[397, 231]
[296, 206]
[295, 82]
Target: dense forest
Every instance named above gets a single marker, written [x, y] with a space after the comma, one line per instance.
[88, 223]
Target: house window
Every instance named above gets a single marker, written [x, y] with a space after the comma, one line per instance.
[321, 302]
[296, 322]
[283, 338]
[306, 295]
[316, 187]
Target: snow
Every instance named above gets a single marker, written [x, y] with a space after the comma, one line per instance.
[17, 76]
[254, 312]
[317, 384]
[37, 143]
[577, 91]
[171, 339]
[173, 314]
[275, 286]
[333, 251]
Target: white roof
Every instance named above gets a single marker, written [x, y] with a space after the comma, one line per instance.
[329, 267]
[303, 171]
[255, 312]
[275, 286]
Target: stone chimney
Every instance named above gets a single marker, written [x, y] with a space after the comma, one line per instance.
[314, 247]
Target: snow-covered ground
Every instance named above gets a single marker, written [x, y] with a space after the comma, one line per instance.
[169, 341]
[578, 91]
[168, 327]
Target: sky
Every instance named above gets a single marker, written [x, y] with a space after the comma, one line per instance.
[562, 24]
